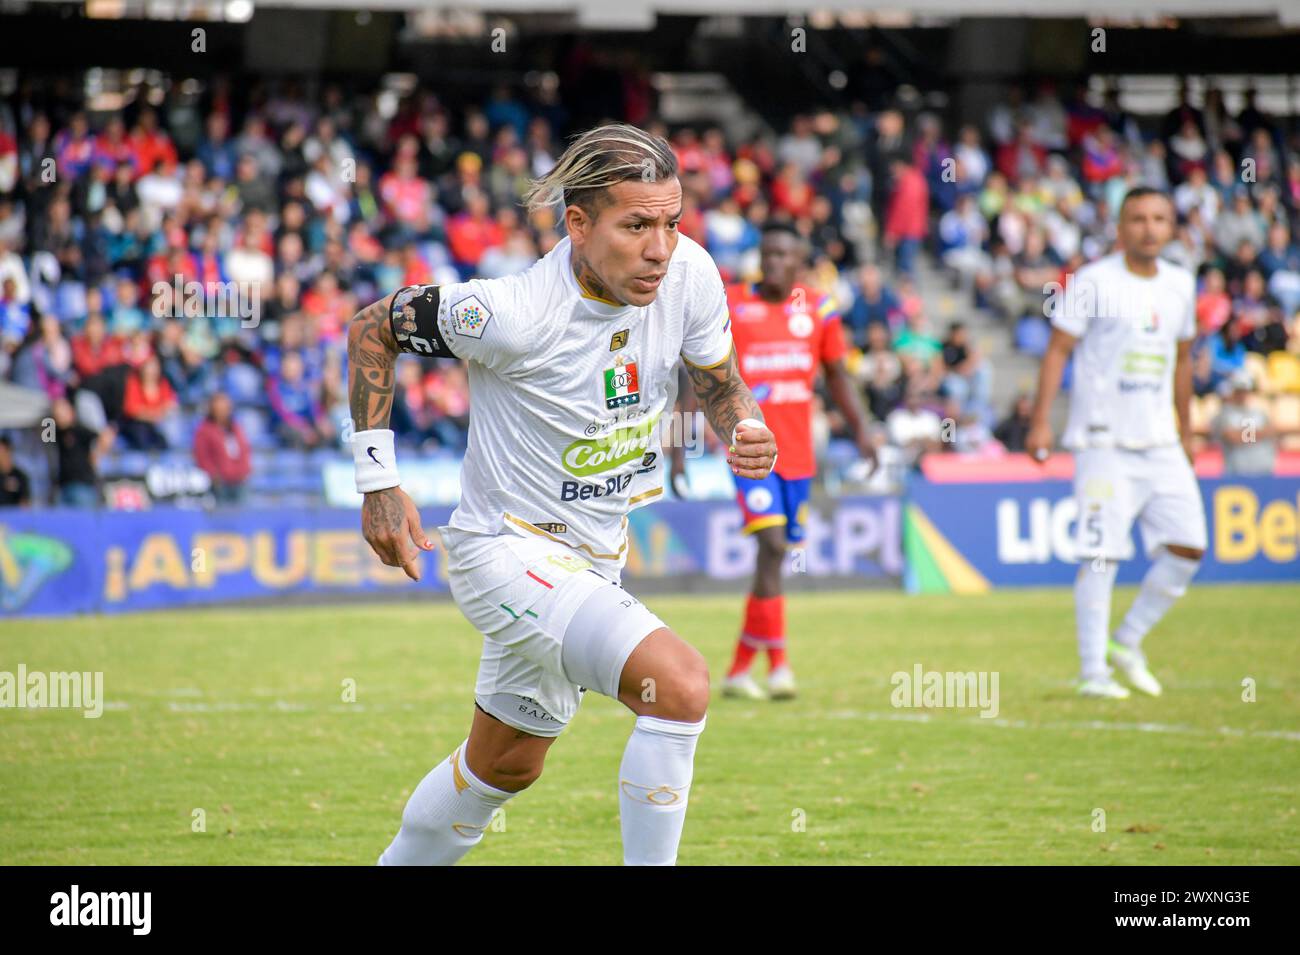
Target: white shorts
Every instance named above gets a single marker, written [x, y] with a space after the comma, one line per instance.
[552, 625]
[1155, 486]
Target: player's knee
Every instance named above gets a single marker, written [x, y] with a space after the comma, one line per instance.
[512, 771]
[771, 543]
[684, 696]
[1186, 553]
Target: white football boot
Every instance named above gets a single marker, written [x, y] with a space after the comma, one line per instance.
[1133, 665]
[1102, 688]
[780, 684]
[742, 686]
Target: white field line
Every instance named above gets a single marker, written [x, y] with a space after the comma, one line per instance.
[1001, 723]
[870, 716]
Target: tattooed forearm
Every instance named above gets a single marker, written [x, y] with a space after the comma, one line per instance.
[372, 351]
[724, 397]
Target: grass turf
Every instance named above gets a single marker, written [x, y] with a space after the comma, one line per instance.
[240, 713]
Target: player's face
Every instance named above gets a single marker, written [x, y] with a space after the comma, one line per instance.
[780, 259]
[632, 238]
[1146, 226]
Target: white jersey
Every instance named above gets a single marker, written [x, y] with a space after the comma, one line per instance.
[1128, 328]
[567, 395]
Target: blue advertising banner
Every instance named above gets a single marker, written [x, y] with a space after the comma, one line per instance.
[59, 562]
[967, 538]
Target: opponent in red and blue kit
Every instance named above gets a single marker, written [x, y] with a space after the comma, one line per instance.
[783, 332]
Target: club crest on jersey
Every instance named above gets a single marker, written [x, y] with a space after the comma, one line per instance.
[469, 317]
[618, 339]
[800, 324]
[621, 385]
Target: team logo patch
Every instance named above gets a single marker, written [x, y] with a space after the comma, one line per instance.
[801, 325]
[469, 317]
[622, 387]
[758, 499]
[618, 339]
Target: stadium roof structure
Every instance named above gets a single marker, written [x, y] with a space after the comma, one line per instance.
[641, 14]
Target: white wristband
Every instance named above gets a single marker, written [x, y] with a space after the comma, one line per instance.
[375, 460]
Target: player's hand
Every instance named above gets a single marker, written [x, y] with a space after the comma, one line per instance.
[1038, 443]
[390, 523]
[754, 453]
[867, 451]
[681, 484]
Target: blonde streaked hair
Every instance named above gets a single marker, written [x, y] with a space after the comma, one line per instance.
[600, 158]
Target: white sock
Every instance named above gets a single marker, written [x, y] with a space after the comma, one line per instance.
[1092, 590]
[1165, 582]
[653, 784]
[446, 816]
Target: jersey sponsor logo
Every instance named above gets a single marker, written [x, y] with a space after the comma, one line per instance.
[590, 456]
[618, 339]
[622, 386]
[597, 425]
[777, 361]
[469, 317]
[1129, 386]
[800, 324]
[784, 393]
[580, 491]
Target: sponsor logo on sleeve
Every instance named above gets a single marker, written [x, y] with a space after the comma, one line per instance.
[469, 317]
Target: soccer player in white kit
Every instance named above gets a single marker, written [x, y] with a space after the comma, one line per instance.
[1129, 318]
[571, 366]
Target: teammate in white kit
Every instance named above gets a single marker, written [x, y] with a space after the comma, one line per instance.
[1133, 317]
[571, 364]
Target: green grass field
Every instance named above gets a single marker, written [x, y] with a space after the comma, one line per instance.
[239, 713]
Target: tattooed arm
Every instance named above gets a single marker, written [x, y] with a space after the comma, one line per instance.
[390, 521]
[725, 400]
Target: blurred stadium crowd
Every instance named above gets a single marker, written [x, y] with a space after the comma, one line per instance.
[312, 206]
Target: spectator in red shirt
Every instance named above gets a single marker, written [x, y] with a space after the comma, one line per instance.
[221, 449]
[1214, 304]
[148, 401]
[472, 232]
[407, 198]
[94, 350]
[907, 218]
[791, 192]
[151, 146]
